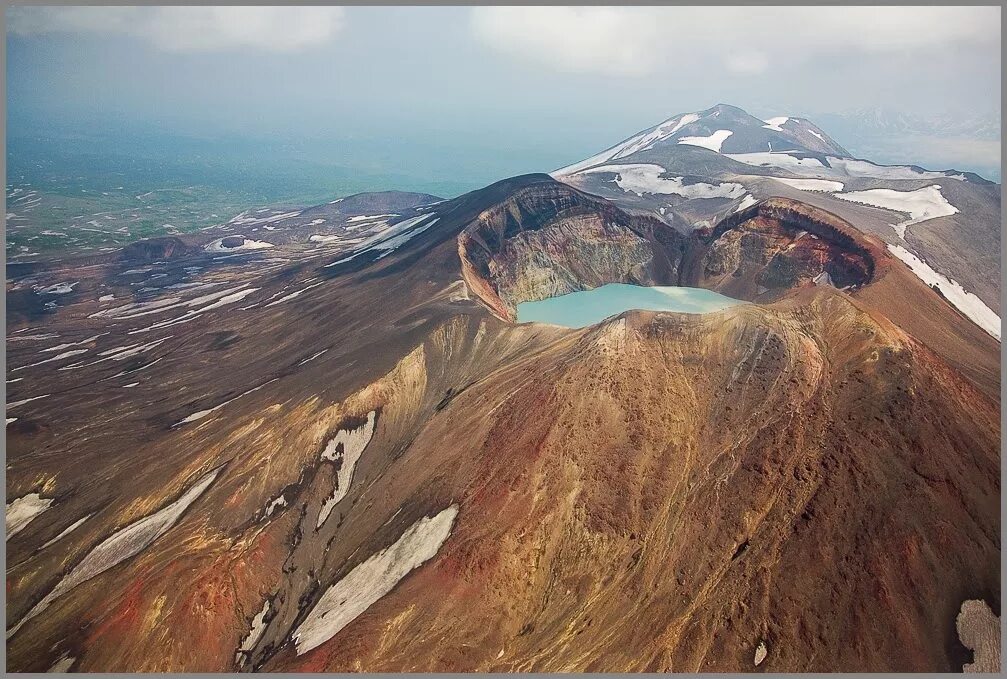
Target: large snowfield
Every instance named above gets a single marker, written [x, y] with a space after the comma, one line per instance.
[920, 205]
[646, 178]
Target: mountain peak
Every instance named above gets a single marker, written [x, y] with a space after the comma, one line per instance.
[727, 108]
[724, 129]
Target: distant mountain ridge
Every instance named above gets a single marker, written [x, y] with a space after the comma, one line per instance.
[884, 121]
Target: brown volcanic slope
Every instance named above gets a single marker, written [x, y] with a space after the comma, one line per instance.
[659, 491]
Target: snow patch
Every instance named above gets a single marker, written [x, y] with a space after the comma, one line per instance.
[254, 633]
[246, 244]
[57, 357]
[22, 510]
[67, 345]
[120, 353]
[274, 505]
[776, 123]
[639, 142]
[58, 289]
[15, 404]
[319, 238]
[824, 279]
[369, 581]
[712, 142]
[62, 665]
[345, 448]
[663, 131]
[213, 300]
[122, 545]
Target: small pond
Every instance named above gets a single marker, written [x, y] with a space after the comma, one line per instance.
[587, 307]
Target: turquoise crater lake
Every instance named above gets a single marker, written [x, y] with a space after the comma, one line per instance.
[587, 307]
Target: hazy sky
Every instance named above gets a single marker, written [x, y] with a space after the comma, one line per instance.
[534, 87]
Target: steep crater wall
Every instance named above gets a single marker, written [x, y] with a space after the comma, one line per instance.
[550, 239]
[779, 244]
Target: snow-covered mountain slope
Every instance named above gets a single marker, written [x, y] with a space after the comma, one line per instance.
[947, 218]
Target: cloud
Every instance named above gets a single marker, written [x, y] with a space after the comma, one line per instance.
[747, 62]
[571, 38]
[743, 40]
[189, 29]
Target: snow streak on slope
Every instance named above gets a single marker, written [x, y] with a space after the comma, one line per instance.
[640, 142]
[970, 305]
[66, 531]
[294, 294]
[121, 545]
[920, 205]
[367, 218]
[646, 178]
[209, 411]
[395, 236]
[244, 219]
[660, 133]
[372, 579]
